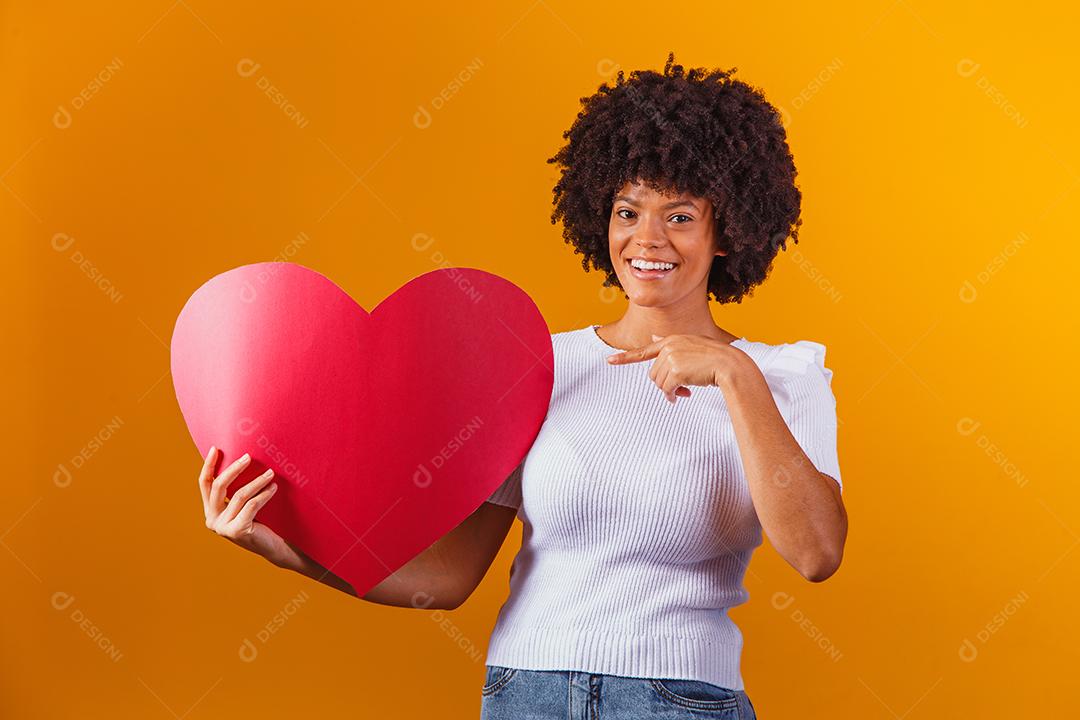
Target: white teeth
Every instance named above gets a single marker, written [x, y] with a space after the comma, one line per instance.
[643, 265]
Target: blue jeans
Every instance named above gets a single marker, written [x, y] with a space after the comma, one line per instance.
[515, 694]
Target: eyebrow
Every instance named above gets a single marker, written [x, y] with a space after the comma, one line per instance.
[668, 206]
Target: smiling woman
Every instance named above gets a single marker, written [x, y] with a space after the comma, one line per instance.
[652, 270]
[641, 516]
[712, 145]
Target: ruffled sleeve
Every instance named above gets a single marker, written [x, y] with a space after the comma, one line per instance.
[508, 493]
[802, 388]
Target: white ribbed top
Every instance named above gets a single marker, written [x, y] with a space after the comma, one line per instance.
[637, 517]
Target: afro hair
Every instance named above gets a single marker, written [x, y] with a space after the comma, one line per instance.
[698, 131]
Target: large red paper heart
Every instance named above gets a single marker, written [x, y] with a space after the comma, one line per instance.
[385, 430]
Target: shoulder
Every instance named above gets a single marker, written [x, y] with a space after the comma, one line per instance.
[567, 335]
[785, 361]
[570, 345]
[576, 337]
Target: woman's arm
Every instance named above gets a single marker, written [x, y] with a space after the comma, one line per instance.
[800, 509]
[441, 577]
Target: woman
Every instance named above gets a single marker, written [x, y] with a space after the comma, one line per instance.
[641, 499]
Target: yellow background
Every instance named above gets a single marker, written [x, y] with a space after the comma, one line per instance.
[938, 161]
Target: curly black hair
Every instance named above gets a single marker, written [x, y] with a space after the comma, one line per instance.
[698, 131]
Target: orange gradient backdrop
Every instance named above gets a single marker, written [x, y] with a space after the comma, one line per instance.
[148, 146]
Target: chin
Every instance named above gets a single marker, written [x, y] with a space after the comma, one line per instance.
[649, 299]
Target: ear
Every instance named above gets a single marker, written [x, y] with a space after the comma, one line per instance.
[717, 237]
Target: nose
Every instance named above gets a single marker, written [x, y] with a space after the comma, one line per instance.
[650, 234]
[648, 241]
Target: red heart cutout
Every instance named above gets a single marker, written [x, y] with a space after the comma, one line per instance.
[384, 430]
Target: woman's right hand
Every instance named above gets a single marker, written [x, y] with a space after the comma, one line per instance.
[444, 574]
[235, 519]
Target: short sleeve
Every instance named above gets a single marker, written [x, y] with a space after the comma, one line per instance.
[802, 386]
[508, 493]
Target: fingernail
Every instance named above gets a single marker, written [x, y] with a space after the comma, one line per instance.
[611, 358]
[269, 473]
[211, 450]
[273, 487]
[245, 457]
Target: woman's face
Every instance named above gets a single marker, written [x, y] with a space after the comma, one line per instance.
[674, 229]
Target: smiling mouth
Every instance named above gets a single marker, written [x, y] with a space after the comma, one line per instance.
[642, 274]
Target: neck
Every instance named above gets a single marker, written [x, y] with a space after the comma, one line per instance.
[637, 326]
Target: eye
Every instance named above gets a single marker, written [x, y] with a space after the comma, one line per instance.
[622, 210]
[688, 218]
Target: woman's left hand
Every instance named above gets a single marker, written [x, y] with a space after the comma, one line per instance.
[683, 360]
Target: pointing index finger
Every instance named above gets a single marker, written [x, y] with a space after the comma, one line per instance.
[636, 354]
